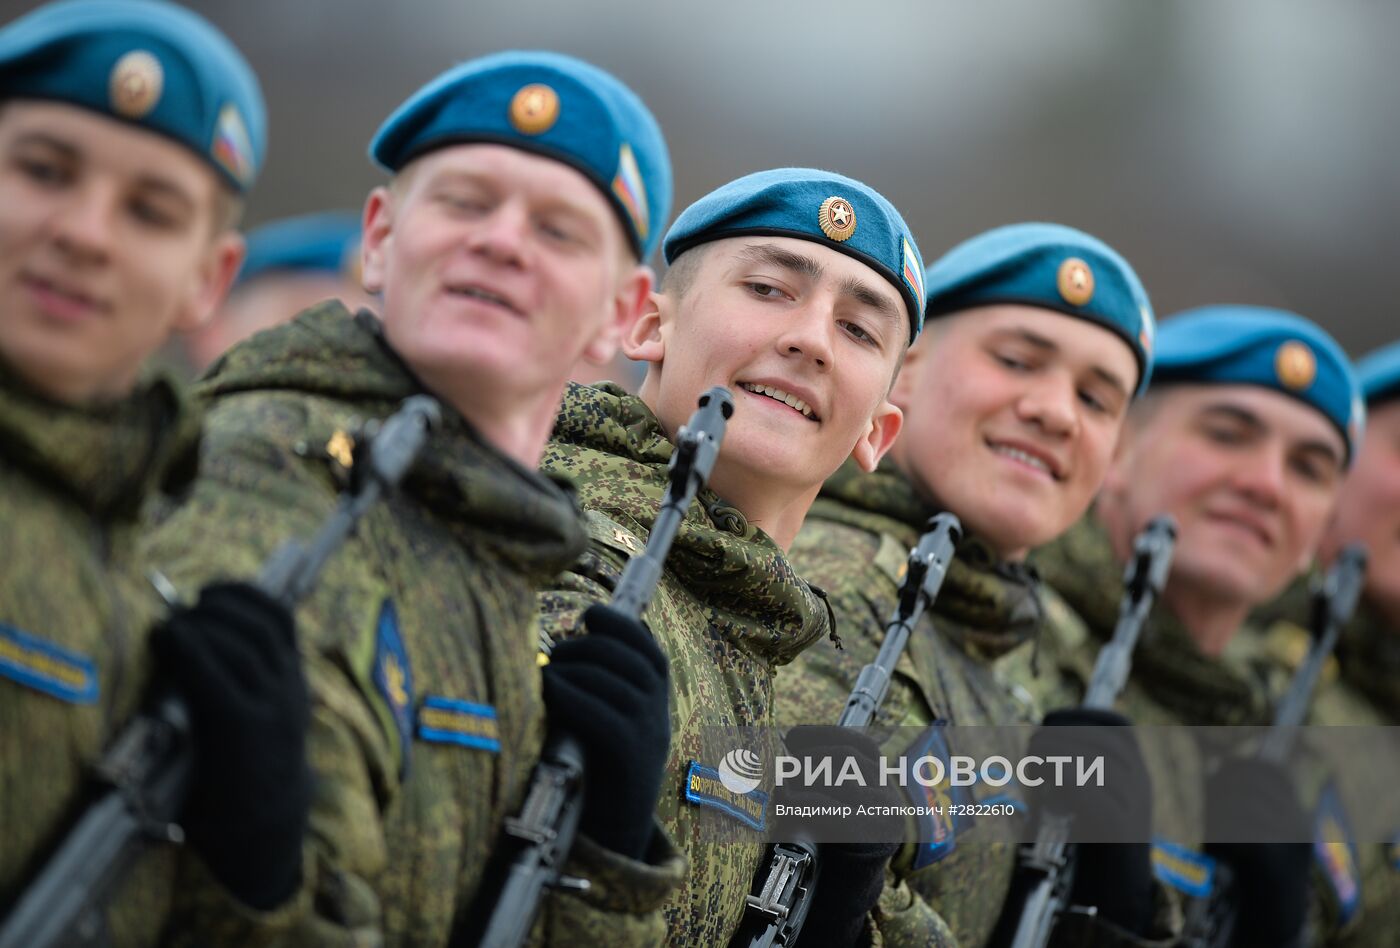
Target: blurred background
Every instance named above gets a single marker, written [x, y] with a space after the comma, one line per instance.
[1234, 152]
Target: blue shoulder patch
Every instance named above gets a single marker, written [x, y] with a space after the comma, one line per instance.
[1334, 848]
[1183, 869]
[939, 828]
[704, 787]
[450, 721]
[393, 676]
[46, 667]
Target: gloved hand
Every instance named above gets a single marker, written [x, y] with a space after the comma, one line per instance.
[233, 658]
[1256, 826]
[1114, 876]
[851, 873]
[609, 690]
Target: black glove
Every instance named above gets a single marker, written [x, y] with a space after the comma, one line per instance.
[233, 659]
[1255, 825]
[609, 691]
[1114, 876]
[851, 874]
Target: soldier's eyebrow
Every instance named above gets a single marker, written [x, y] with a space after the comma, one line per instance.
[1048, 345]
[851, 287]
[1240, 416]
[778, 257]
[43, 140]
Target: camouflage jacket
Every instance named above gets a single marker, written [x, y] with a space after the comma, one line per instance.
[420, 640]
[987, 619]
[1368, 694]
[1174, 683]
[75, 612]
[727, 611]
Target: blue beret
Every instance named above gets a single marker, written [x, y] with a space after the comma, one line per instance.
[1252, 345]
[1379, 373]
[150, 63]
[553, 105]
[321, 243]
[820, 206]
[1053, 267]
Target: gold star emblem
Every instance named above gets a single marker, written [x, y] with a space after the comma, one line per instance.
[535, 109]
[837, 218]
[1295, 365]
[341, 447]
[135, 84]
[1075, 281]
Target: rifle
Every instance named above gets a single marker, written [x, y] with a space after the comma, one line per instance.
[543, 833]
[147, 769]
[1210, 922]
[1048, 862]
[775, 914]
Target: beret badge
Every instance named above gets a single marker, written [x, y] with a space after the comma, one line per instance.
[135, 84]
[837, 218]
[534, 109]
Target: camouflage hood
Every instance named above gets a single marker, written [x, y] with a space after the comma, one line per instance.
[108, 457]
[613, 448]
[1228, 690]
[328, 353]
[989, 606]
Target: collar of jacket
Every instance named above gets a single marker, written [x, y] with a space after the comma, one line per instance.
[108, 457]
[1369, 652]
[1199, 689]
[988, 606]
[614, 450]
[529, 519]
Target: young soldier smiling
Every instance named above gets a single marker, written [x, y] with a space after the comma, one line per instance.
[799, 290]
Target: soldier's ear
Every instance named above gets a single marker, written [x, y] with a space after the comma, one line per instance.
[645, 341]
[212, 279]
[377, 231]
[633, 296]
[879, 436]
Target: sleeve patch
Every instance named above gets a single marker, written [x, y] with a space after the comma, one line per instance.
[705, 787]
[449, 721]
[393, 676]
[1334, 848]
[1183, 869]
[46, 667]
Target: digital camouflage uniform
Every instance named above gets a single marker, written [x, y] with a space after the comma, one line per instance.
[1368, 693]
[855, 543]
[419, 639]
[1173, 683]
[75, 612]
[728, 609]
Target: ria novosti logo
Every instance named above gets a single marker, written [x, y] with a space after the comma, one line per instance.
[741, 771]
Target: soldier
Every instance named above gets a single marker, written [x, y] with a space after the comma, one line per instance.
[1039, 336]
[129, 134]
[291, 264]
[527, 189]
[799, 290]
[1367, 655]
[1244, 438]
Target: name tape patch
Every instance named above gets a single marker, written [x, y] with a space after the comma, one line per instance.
[703, 787]
[450, 721]
[1183, 869]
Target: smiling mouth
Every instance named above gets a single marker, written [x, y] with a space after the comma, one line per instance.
[1245, 527]
[1030, 460]
[786, 398]
[486, 296]
[67, 297]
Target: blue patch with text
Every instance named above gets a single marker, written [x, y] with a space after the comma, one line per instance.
[1334, 848]
[46, 667]
[704, 787]
[450, 721]
[393, 676]
[1183, 869]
